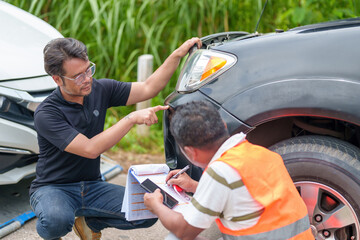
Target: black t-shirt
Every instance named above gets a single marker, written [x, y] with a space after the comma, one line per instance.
[58, 122]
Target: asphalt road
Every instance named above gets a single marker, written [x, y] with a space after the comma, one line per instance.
[156, 232]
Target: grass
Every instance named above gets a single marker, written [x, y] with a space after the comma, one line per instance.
[117, 32]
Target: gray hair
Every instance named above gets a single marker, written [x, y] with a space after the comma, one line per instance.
[60, 49]
[198, 124]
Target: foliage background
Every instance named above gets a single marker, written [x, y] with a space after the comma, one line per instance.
[117, 32]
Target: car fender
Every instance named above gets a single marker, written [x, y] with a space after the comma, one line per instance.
[289, 56]
[297, 97]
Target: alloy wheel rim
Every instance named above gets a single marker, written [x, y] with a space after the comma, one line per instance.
[331, 216]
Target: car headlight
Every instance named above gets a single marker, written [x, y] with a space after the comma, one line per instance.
[201, 67]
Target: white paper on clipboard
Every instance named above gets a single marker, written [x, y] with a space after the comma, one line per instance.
[133, 202]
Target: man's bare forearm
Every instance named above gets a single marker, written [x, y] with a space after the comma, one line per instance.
[160, 78]
[92, 148]
[141, 91]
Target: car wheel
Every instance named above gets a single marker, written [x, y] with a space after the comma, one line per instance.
[326, 172]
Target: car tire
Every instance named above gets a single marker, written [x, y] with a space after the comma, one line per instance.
[326, 172]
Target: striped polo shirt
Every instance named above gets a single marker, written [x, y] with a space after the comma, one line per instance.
[222, 194]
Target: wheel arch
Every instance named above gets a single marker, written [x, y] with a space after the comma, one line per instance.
[274, 109]
[321, 97]
[282, 128]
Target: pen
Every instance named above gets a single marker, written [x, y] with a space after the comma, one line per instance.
[179, 172]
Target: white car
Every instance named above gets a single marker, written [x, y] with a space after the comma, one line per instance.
[23, 85]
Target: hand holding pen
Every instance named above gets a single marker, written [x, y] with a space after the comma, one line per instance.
[179, 172]
[181, 179]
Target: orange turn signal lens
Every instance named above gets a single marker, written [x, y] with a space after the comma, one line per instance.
[201, 67]
[214, 64]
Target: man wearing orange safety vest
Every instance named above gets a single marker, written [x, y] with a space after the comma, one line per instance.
[245, 188]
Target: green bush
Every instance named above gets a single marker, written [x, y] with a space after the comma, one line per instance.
[117, 32]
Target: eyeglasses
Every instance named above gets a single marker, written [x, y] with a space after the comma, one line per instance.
[81, 77]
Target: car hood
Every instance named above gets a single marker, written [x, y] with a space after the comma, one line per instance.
[23, 38]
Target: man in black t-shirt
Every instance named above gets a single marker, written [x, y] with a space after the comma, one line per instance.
[70, 126]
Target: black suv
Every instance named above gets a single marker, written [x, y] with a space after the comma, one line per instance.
[296, 92]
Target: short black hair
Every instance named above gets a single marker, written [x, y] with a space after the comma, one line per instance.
[198, 124]
[60, 49]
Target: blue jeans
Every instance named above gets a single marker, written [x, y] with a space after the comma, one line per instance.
[99, 202]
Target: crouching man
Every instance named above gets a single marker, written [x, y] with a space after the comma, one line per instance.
[245, 188]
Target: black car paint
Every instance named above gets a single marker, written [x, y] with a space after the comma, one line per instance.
[280, 75]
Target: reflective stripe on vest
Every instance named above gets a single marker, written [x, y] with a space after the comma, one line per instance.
[268, 182]
[283, 233]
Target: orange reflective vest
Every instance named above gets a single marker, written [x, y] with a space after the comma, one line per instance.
[264, 174]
